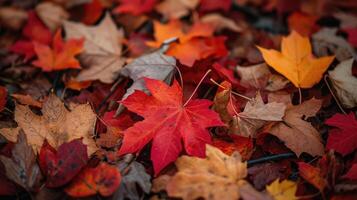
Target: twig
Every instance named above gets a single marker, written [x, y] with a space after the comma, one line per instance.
[270, 158]
[333, 95]
[112, 90]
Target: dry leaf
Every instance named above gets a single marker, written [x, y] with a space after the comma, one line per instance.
[299, 135]
[155, 66]
[101, 57]
[51, 14]
[256, 114]
[57, 124]
[22, 168]
[326, 41]
[218, 176]
[219, 22]
[345, 83]
[27, 100]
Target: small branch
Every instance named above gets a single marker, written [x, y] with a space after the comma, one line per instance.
[270, 158]
[333, 95]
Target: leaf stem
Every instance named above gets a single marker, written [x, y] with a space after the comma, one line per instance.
[300, 95]
[333, 95]
[233, 92]
[270, 158]
[198, 85]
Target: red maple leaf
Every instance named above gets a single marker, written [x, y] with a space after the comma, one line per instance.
[135, 7]
[34, 30]
[344, 138]
[60, 56]
[3, 95]
[167, 122]
[352, 173]
[211, 5]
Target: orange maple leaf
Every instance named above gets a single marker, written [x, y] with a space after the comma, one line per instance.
[296, 61]
[60, 56]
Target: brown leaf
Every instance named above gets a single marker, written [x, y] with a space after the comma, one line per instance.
[51, 14]
[22, 168]
[27, 100]
[12, 17]
[219, 22]
[218, 176]
[57, 124]
[256, 114]
[299, 135]
[101, 57]
[175, 9]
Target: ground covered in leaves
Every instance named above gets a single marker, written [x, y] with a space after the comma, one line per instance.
[178, 99]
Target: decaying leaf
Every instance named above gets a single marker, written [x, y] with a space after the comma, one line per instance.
[256, 114]
[255, 76]
[22, 168]
[101, 57]
[57, 124]
[312, 175]
[103, 179]
[326, 41]
[299, 135]
[175, 9]
[133, 177]
[345, 83]
[62, 165]
[155, 66]
[218, 176]
[219, 22]
[284, 190]
[296, 62]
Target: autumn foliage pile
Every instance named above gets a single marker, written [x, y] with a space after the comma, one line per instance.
[178, 99]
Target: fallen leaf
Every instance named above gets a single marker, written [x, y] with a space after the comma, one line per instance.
[300, 136]
[345, 83]
[254, 76]
[3, 97]
[263, 174]
[312, 175]
[256, 114]
[219, 22]
[135, 7]
[92, 12]
[174, 122]
[135, 177]
[343, 139]
[61, 56]
[101, 56]
[218, 176]
[62, 165]
[51, 14]
[235, 143]
[22, 168]
[57, 124]
[296, 62]
[352, 39]
[26, 100]
[103, 179]
[284, 190]
[352, 173]
[34, 31]
[175, 9]
[303, 23]
[213, 5]
[155, 66]
[12, 17]
[326, 41]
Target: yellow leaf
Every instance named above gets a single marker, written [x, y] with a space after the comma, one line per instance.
[284, 190]
[296, 61]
